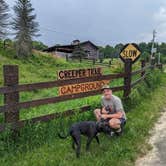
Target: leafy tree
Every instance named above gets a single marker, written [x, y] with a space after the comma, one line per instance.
[25, 27]
[39, 45]
[143, 47]
[4, 15]
[145, 55]
[109, 50]
[118, 47]
[162, 48]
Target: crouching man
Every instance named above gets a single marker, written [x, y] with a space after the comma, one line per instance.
[112, 110]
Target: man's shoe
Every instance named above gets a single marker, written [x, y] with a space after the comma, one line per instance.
[119, 132]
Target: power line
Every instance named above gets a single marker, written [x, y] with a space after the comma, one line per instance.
[74, 36]
[55, 31]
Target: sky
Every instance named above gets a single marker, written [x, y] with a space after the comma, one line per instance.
[100, 21]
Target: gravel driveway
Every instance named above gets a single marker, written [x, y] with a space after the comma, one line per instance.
[157, 156]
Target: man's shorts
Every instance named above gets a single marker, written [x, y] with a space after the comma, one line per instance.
[123, 121]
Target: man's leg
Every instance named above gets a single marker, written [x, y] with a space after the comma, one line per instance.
[97, 113]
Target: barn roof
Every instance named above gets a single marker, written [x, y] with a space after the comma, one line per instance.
[67, 48]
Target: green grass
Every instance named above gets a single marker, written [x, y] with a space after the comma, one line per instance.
[38, 144]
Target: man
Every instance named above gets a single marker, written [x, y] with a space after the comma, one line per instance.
[111, 111]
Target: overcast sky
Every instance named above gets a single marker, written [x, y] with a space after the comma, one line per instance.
[101, 21]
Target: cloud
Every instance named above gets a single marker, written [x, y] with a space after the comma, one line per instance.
[144, 37]
[161, 14]
[160, 20]
[158, 23]
[103, 22]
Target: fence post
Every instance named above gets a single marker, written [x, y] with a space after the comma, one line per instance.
[67, 58]
[101, 60]
[109, 63]
[94, 61]
[127, 78]
[152, 63]
[11, 78]
[143, 64]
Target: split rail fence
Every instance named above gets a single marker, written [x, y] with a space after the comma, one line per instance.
[11, 91]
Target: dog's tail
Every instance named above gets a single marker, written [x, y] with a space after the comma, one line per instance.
[63, 136]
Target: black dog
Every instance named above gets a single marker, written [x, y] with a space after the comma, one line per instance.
[87, 128]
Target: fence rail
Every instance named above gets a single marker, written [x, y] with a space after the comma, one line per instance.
[11, 90]
[46, 118]
[52, 84]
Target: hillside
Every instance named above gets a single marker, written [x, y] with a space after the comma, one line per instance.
[43, 67]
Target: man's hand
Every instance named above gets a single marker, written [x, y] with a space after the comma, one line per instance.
[104, 116]
[104, 111]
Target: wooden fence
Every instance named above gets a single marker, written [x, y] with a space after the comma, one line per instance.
[91, 61]
[11, 90]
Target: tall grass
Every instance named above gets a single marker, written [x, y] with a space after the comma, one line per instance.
[39, 145]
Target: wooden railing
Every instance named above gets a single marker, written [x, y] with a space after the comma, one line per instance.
[11, 90]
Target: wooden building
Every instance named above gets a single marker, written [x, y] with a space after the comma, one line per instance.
[91, 50]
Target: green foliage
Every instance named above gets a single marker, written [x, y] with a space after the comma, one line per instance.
[110, 52]
[25, 27]
[152, 81]
[113, 52]
[4, 16]
[162, 48]
[39, 45]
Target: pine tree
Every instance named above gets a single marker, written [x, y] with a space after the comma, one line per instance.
[4, 9]
[25, 27]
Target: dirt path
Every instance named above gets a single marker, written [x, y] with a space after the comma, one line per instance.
[157, 156]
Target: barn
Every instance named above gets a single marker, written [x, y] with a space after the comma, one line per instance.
[91, 50]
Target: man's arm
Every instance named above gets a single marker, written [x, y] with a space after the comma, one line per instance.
[103, 111]
[117, 115]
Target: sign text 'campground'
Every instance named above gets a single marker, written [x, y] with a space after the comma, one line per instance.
[81, 87]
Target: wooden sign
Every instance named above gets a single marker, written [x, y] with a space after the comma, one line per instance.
[130, 52]
[79, 73]
[81, 87]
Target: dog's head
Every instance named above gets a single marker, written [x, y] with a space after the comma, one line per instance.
[101, 126]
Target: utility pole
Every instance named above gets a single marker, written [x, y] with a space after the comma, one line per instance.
[159, 58]
[153, 49]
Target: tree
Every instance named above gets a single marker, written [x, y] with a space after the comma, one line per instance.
[108, 52]
[3, 18]
[39, 45]
[25, 27]
[145, 56]
[162, 48]
[118, 47]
